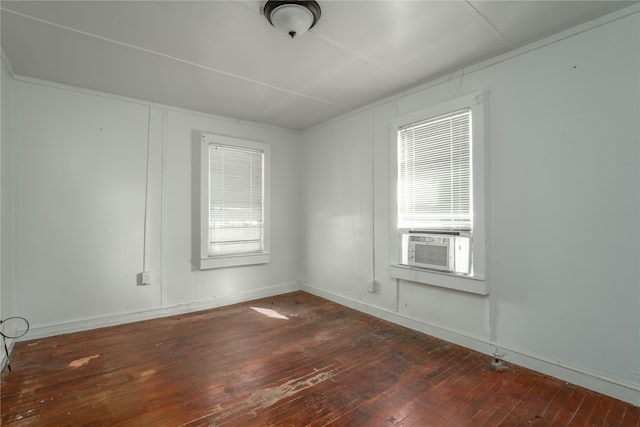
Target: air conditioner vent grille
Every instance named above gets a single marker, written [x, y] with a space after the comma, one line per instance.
[434, 255]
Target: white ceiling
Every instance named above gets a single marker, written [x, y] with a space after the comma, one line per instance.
[223, 57]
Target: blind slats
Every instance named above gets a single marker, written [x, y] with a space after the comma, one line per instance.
[235, 200]
[434, 171]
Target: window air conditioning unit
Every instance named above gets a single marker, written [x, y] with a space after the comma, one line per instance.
[438, 252]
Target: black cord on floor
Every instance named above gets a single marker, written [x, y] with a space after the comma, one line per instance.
[12, 337]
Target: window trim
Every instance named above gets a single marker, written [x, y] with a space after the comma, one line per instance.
[220, 261]
[474, 282]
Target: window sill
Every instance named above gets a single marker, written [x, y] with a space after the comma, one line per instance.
[475, 285]
[234, 261]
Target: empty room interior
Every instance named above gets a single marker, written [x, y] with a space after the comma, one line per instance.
[417, 213]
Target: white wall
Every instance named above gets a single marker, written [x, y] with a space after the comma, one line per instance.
[183, 282]
[6, 201]
[81, 177]
[566, 189]
[563, 199]
[106, 190]
[336, 206]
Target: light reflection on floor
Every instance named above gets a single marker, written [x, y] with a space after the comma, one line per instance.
[270, 313]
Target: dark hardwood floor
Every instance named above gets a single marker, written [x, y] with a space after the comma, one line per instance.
[323, 365]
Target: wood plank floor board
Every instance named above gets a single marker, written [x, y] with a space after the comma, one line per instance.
[616, 414]
[599, 412]
[339, 396]
[524, 383]
[556, 404]
[464, 405]
[407, 387]
[571, 407]
[583, 413]
[369, 378]
[289, 360]
[532, 411]
[631, 415]
[485, 408]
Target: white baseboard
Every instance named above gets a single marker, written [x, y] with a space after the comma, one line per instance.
[599, 383]
[87, 324]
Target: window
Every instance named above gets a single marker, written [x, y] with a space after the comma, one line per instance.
[438, 164]
[234, 202]
[434, 173]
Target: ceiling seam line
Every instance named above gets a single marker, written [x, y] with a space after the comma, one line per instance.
[505, 38]
[363, 57]
[184, 61]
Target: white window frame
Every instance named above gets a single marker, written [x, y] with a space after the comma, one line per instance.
[221, 261]
[475, 281]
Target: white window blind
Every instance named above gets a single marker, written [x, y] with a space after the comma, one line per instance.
[236, 200]
[434, 173]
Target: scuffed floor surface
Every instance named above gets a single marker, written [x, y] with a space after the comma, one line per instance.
[290, 360]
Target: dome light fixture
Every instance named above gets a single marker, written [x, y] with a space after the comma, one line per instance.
[292, 17]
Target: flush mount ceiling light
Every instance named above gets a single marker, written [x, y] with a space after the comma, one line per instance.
[292, 17]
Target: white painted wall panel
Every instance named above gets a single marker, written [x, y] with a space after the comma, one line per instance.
[460, 312]
[107, 188]
[346, 186]
[386, 293]
[6, 196]
[183, 281]
[563, 202]
[81, 178]
[337, 206]
[567, 201]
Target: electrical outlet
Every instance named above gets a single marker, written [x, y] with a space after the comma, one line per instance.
[144, 278]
